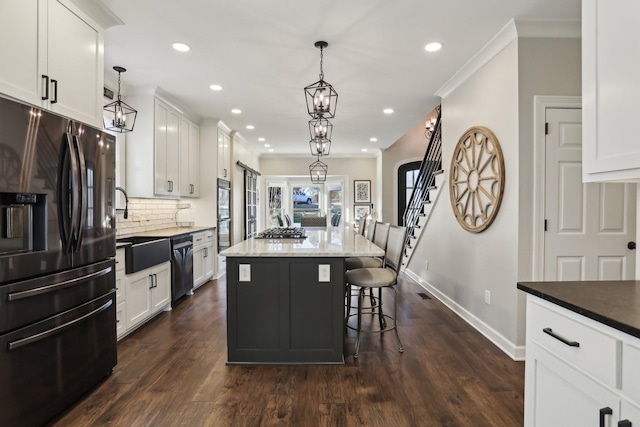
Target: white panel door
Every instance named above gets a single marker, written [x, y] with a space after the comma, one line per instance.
[588, 225]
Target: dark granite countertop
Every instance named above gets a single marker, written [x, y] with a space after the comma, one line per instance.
[170, 232]
[613, 303]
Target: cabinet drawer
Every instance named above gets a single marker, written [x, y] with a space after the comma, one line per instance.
[119, 259]
[208, 236]
[198, 238]
[631, 371]
[593, 351]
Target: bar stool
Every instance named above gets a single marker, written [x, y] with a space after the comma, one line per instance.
[377, 232]
[380, 278]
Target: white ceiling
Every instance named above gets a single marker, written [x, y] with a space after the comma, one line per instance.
[262, 53]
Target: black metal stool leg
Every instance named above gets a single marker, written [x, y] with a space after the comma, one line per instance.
[359, 330]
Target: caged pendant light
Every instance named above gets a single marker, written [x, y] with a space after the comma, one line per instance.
[321, 96]
[318, 172]
[118, 116]
[320, 131]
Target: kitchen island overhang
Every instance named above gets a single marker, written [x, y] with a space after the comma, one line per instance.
[285, 297]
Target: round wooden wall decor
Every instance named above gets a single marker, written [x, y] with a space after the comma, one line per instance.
[476, 182]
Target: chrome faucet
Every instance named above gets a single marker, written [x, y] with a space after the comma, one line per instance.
[126, 202]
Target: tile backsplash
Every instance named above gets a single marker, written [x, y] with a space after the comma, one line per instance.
[147, 215]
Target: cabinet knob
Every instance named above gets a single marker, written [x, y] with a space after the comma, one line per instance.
[631, 245]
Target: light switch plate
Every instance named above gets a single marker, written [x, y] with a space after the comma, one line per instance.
[324, 273]
[244, 272]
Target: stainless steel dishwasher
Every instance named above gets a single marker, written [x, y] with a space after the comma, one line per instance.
[181, 267]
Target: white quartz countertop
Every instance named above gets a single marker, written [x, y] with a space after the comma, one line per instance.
[170, 232]
[320, 242]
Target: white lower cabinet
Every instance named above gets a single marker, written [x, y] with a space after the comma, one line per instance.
[203, 253]
[148, 291]
[573, 370]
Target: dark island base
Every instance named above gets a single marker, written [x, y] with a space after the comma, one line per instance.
[284, 314]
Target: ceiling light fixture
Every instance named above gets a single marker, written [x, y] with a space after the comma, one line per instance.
[321, 96]
[261, 139]
[118, 113]
[373, 139]
[215, 87]
[181, 47]
[388, 111]
[320, 130]
[318, 171]
[433, 47]
[250, 127]
[236, 111]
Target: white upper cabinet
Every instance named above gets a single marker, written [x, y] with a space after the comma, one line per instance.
[610, 90]
[224, 154]
[162, 157]
[189, 158]
[167, 150]
[53, 57]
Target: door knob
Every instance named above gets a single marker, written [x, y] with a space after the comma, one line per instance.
[631, 245]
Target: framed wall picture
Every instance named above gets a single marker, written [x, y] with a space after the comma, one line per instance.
[361, 210]
[362, 191]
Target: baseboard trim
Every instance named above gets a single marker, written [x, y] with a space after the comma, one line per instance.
[515, 352]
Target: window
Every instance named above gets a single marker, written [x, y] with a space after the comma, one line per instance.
[407, 177]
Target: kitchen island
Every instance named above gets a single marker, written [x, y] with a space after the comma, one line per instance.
[285, 297]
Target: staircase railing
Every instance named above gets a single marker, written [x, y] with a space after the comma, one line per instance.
[431, 164]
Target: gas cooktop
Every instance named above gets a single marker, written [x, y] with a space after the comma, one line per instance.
[282, 233]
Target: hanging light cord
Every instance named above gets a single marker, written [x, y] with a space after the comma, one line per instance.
[321, 57]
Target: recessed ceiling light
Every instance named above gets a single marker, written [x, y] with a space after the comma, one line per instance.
[364, 150]
[261, 139]
[271, 150]
[181, 47]
[215, 87]
[236, 111]
[433, 47]
[374, 139]
[267, 145]
[250, 127]
[388, 111]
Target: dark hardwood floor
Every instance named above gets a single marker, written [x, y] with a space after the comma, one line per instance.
[172, 372]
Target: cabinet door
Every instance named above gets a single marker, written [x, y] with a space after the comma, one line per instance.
[161, 292]
[208, 262]
[23, 50]
[198, 266]
[121, 319]
[167, 150]
[189, 160]
[224, 147]
[609, 89]
[138, 289]
[75, 62]
[558, 395]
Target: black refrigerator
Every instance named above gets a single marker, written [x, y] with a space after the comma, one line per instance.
[57, 267]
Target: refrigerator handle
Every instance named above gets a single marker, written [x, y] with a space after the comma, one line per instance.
[82, 192]
[66, 192]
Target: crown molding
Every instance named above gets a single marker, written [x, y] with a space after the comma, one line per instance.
[509, 33]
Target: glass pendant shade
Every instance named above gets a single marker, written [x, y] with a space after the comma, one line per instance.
[118, 115]
[318, 172]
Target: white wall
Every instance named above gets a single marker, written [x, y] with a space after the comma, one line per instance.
[239, 153]
[463, 265]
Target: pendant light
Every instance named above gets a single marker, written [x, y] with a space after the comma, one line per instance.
[118, 116]
[320, 131]
[321, 96]
[318, 171]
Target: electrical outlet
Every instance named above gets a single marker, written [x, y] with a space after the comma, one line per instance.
[244, 272]
[487, 297]
[324, 273]
[426, 264]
